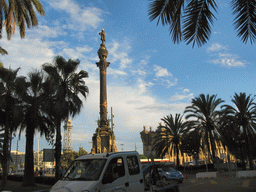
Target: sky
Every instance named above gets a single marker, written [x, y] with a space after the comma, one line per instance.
[149, 77]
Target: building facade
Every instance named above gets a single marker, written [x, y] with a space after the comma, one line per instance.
[17, 159]
[147, 138]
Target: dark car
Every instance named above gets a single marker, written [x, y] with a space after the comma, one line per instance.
[151, 175]
[169, 173]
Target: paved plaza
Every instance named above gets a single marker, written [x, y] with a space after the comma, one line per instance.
[221, 184]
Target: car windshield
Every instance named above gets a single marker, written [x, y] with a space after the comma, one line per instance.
[168, 169]
[85, 170]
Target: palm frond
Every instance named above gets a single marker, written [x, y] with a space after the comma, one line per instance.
[197, 20]
[3, 51]
[169, 12]
[245, 20]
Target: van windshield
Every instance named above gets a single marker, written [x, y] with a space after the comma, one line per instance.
[85, 170]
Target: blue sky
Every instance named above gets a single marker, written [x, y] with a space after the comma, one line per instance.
[149, 76]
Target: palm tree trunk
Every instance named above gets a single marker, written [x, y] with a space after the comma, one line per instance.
[212, 148]
[6, 152]
[58, 150]
[29, 178]
[177, 157]
[248, 146]
[5, 157]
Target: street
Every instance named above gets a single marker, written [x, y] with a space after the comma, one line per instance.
[219, 185]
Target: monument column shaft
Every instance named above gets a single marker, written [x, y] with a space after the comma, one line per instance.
[103, 91]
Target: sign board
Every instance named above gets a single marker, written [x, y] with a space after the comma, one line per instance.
[48, 155]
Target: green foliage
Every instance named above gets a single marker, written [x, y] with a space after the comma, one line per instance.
[190, 142]
[204, 117]
[168, 137]
[242, 120]
[191, 20]
[68, 85]
[67, 157]
[82, 151]
[142, 156]
[21, 13]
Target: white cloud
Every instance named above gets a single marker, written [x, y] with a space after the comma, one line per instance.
[46, 31]
[169, 83]
[76, 53]
[119, 53]
[185, 90]
[161, 72]
[112, 71]
[229, 60]
[142, 85]
[82, 17]
[26, 53]
[216, 47]
[164, 77]
[178, 97]
[139, 72]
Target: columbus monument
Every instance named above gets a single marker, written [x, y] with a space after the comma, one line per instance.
[103, 140]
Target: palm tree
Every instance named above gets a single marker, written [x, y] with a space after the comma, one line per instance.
[191, 141]
[36, 118]
[11, 87]
[204, 118]
[244, 117]
[168, 137]
[21, 13]
[192, 20]
[68, 85]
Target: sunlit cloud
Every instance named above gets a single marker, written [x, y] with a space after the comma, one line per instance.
[118, 53]
[46, 31]
[229, 60]
[142, 85]
[216, 47]
[178, 97]
[82, 17]
[161, 72]
[76, 53]
[26, 53]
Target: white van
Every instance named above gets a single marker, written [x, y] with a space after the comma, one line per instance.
[105, 172]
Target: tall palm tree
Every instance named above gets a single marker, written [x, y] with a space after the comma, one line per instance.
[168, 137]
[36, 118]
[19, 12]
[191, 20]
[191, 141]
[204, 117]
[11, 86]
[68, 85]
[244, 116]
